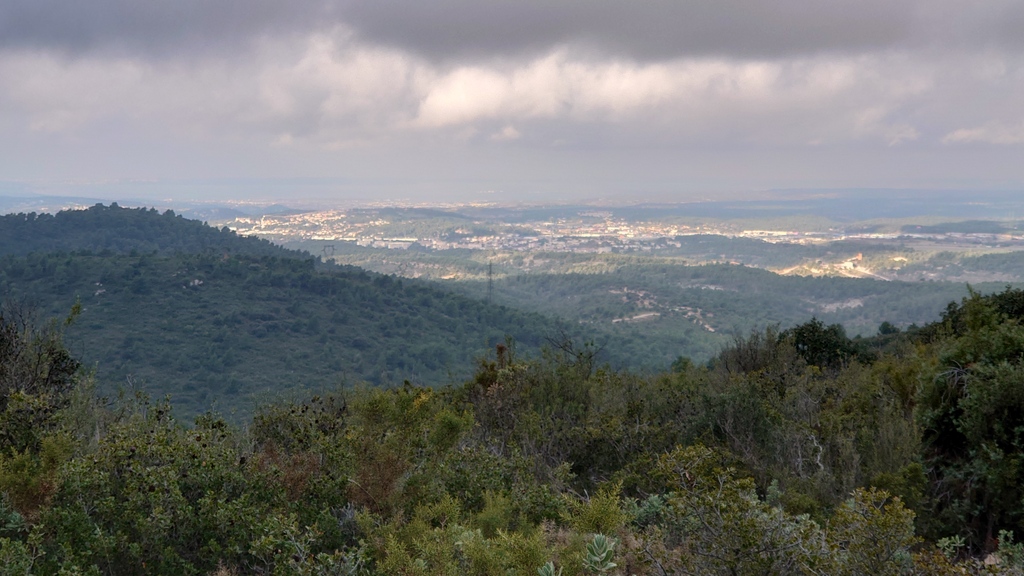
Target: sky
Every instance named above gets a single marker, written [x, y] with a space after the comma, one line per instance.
[509, 100]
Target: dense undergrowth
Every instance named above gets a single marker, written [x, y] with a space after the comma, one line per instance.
[793, 452]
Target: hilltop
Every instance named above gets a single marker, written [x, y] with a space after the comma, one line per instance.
[175, 307]
[113, 229]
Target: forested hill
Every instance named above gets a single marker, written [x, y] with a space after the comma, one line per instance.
[123, 230]
[215, 319]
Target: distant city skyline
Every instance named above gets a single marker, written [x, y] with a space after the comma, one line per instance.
[526, 101]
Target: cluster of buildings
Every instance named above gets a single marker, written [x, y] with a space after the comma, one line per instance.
[586, 234]
[591, 231]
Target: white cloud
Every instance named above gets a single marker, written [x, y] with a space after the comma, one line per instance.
[821, 99]
[327, 91]
[507, 133]
[991, 134]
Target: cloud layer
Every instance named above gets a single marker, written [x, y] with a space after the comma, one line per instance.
[446, 29]
[320, 87]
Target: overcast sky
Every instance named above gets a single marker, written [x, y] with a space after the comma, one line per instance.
[514, 99]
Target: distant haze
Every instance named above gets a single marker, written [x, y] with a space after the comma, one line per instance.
[501, 99]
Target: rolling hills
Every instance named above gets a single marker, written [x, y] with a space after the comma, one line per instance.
[175, 307]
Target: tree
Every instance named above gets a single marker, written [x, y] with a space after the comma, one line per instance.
[37, 378]
[972, 417]
[826, 347]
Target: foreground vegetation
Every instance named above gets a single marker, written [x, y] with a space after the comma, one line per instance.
[792, 452]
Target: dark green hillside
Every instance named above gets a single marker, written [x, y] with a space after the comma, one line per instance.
[741, 297]
[695, 310]
[671, 305]
[209, 328]
[965, 227]
[1011, 263]
[115, 229]
[177, 307]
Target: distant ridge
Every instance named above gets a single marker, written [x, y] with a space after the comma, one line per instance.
[122, 230]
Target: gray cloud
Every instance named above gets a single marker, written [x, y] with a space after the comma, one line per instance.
[155, 28]
[653, 29]
[782, 93]
[458, 29]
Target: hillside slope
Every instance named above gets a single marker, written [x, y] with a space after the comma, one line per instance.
[211, 318]
[123, 230]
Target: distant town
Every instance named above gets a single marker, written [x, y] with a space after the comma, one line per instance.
[591, 231]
